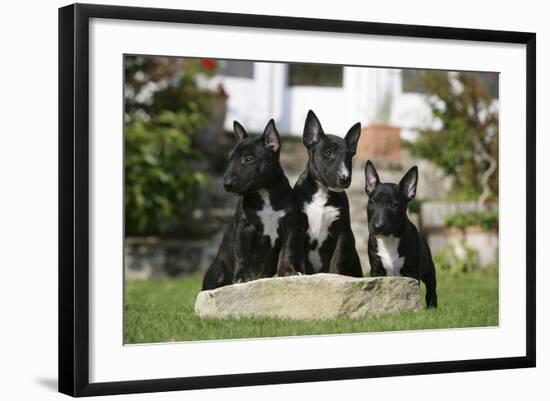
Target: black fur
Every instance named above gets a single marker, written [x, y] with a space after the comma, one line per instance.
[387, 216]
[245, 252]
[327, 155]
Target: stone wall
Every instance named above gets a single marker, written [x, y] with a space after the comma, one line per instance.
[152, 257]
[485, 242]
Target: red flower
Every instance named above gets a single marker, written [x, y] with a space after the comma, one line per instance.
[208, 64]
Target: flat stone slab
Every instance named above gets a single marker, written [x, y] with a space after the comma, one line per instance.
[318, 296]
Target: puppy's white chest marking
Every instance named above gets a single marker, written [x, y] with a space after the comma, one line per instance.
[269, 218]
[320, 217]
[388, 254]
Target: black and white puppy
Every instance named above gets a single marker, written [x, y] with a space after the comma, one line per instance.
[395, 246]
[327, 242]
[257, 241]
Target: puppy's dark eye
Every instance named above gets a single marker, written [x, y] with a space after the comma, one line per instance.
[372, 202]
[248, 159]
[394, 205]
[328, 153]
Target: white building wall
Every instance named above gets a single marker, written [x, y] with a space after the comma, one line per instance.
[254, 101]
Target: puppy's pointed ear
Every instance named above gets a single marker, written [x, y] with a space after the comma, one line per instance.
[371, 178]
[352, 137]
[408, 183]
[271, 138]
[312, 130]
[240, 132]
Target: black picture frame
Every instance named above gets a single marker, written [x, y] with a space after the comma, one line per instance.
[74, 198]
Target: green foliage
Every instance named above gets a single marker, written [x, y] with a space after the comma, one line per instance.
[466, 144]
[185, 98]
[162, 310]
[487, 220]
[161, 179]
[415, 205]
[457, 257]
[159, 182]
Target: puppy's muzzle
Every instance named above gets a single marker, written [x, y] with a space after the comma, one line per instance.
[344, 181]
[229, 184]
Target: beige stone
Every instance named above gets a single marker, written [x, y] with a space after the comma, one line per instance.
[319, 296]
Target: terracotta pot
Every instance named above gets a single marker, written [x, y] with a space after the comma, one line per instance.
[380, 142]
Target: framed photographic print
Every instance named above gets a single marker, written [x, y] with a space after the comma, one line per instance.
[252, 199]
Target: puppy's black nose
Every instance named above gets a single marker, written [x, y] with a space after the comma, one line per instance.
[377, 224]
[344, 180]
[228, 183]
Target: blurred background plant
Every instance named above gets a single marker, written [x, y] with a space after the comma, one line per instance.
[165, 108]
[465, 141]
[487, 220]
[457, 257]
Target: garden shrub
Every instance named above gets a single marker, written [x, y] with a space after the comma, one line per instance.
[487, 220]
[161, 175]
[457, 257]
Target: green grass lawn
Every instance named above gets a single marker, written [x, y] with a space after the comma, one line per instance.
[162, 310]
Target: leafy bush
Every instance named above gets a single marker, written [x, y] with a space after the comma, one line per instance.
[161, 180]
[465, 145]
[457, 257]
[487, 220]
[415, 205]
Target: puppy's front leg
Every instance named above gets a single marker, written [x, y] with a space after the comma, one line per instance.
[243, 252]
[376, 267]
[339, 257]
[290, 263]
